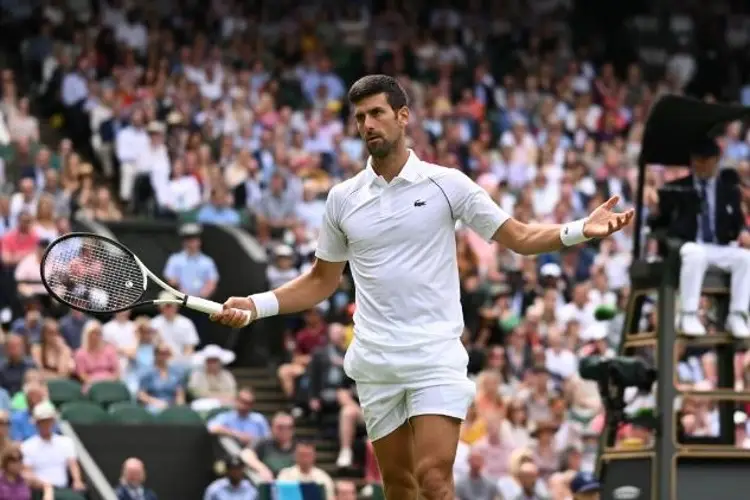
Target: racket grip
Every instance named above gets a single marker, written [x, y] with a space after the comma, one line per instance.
[210, 307]
[203, 305]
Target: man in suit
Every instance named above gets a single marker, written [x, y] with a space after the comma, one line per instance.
[712, 226]
[131, 485]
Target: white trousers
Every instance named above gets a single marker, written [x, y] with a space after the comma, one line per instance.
[127, 180]
[696, 257]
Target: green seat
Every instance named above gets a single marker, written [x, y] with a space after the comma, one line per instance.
[212, 413]
[62, 391]
[125, 412]
[108, 392]
[179, 415]
[83, 412]
[377, 492]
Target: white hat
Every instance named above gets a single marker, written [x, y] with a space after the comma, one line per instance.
[44, 411]
[165, 295]
[213, 351]
[283, 251]
[551, 269]
[595, 331]
[740, 417]
[156, 127]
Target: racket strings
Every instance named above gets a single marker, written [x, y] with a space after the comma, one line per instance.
[93, 274]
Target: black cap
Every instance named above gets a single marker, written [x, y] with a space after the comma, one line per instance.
[705, 148]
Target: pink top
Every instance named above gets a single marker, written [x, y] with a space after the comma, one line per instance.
[99, 365]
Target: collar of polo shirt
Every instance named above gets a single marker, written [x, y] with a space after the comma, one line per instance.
[410, 172]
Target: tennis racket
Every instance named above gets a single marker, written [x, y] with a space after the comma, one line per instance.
[98, 275]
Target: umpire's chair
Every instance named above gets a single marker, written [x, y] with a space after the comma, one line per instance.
[676, 467]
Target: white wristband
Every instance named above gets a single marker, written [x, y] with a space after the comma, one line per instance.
[266, 304]
[572, 233]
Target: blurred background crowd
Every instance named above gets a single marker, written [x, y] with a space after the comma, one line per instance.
[235, 113]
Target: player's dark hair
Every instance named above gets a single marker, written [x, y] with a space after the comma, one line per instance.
[371, 85]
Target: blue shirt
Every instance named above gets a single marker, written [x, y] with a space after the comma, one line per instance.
[5, 402]
[32, 333]
[191, 272]
[211, 214]
[163, 388]
[71, 328]
[222, 489]
[253, 424]
[23, 427]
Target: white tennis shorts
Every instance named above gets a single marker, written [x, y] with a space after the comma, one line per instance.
[393, 387]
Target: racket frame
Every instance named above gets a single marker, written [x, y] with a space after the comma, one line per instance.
[181, 299]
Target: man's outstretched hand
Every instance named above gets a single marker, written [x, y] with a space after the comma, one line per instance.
[238, 312]
[603, 221]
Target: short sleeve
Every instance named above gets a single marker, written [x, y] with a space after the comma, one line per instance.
[211, 272]
[171, 268]
[472, 205]
[68, 448]
[332, 244]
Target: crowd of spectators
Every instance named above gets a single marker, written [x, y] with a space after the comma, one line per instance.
[229, 114]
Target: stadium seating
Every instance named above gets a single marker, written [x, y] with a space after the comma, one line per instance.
[84, 412]
[62, 391]
[106, 393]
[179, 415]
[126, 412]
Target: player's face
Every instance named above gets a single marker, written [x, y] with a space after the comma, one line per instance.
[379, 125]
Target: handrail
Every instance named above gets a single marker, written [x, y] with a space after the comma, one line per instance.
[93, 472]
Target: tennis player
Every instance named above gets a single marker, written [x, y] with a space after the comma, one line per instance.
[394, 222]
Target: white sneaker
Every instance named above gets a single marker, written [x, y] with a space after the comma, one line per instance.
[737, 326]
[345, 458]
[690, 325]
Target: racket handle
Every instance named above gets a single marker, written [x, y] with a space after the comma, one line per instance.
[203, 305]
[210, 307]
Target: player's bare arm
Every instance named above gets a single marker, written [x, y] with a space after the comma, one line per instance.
[529, 239]
[300, 294]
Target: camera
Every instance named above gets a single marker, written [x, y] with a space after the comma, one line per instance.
[619, 371]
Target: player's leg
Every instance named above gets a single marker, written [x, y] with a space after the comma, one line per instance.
[435, 414]
[384, 409]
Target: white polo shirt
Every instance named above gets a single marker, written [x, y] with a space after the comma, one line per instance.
[48, 460]
[399, 239]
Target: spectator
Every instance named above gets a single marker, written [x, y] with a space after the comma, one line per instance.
[243, 424]
[496, 448]
[545, 455]
[140, 358]
[22, 423]
[16, 363]
[233, 485]
[219, 210]
[119, 332]
[25, 200]
[161, 386]
[191, 271]
[5, 402]
[372, 471]
[53, 357]
[132, 482]
[269, 456]
[102, 207]
[332, 391]
[152, 167]
[19, 242]
[584, 486]
[182, 193]
[45, 224]
[176, 331]
[13, 485]
[282, 269]
[310, 337]
[72, 326]
[50, 457]
[95, 360]
[130, 143]
[28, 274]
[18, 402]
[30, 325]
[211, 384]
[518, 481]
[345, 490]
[5, 439]
[475, 486]
[305, 471]
[277, 210]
